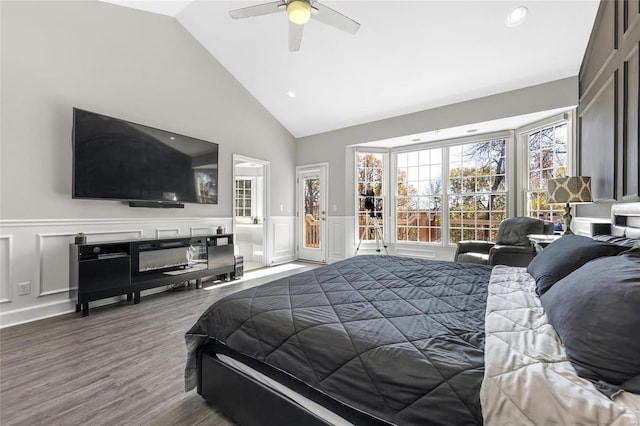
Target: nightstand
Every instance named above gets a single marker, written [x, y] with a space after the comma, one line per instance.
[540, 241]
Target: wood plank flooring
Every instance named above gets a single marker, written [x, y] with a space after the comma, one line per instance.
[121, 365]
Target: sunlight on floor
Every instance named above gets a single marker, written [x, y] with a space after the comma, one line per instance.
[259, 273]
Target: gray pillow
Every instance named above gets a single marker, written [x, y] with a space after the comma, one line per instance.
[595, 311]
[564, 256]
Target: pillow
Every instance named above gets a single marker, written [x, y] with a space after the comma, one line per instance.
[595, 310]
[621, 241]
[564, 256]
[634, 251]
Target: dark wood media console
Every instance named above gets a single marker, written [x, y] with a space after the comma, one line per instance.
[106, 269]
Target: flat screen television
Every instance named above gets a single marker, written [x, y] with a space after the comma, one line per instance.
[119, 160]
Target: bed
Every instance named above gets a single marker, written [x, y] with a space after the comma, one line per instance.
[381, 340]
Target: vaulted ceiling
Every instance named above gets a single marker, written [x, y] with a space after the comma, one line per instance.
[407, 56]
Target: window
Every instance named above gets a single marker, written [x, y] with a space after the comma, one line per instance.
[419, 195]
[473, 198]
[311, 222]
[477, 190]
[547, 160]
[459, 189]
[244, 198]
[370, 200]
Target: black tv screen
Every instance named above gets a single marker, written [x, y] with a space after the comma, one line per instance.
[120, 160]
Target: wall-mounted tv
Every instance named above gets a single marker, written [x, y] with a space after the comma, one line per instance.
[120, 160]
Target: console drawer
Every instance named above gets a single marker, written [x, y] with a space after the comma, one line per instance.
[103, 274]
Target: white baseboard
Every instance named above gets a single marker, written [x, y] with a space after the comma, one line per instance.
[35, 313]
[282, 259]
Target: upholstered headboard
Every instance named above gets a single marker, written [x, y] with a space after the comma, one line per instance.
[625, 222]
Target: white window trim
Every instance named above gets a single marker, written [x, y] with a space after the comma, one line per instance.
[507, 135]
[387, 219]
[243, 219]
[522, 152]
[517, 180]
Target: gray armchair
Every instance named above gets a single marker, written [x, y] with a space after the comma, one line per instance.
[512, 247]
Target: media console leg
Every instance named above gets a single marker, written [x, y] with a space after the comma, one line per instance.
[129, 297]
[85, 309]
[198, 283]
[78, 307]
[136, 298]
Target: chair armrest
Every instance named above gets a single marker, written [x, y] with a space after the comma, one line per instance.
[474, 246]
[510, 255]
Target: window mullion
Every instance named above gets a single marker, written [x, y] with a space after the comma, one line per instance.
[444, 228]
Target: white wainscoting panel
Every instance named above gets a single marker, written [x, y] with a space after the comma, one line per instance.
[167, 232]
[53, 251]
[225, 223]
[336, 239]
[6, 243]
[282, 230]
[341, 238]
[343, 241]
[37, 251]
[412, 252]
[425, 251]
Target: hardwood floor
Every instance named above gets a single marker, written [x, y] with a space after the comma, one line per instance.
[121, 365]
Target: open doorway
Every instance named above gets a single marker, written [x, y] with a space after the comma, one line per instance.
[250, 177]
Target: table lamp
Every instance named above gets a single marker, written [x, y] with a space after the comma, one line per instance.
[569, 190]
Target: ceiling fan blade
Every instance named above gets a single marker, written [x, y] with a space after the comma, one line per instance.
[295, 36]
[328, 16]
[258, 10]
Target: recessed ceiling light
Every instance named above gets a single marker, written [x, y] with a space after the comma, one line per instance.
[291, 94]
[472, 130]
[516, 16]
[172, 138]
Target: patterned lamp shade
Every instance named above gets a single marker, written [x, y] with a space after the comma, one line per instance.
[573, 189]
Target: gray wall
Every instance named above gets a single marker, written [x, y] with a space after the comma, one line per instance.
[129, 64]
[332, 146]
[608, 108]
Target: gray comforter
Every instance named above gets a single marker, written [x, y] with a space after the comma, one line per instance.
[400, 338]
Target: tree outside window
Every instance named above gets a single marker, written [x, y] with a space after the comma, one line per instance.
[369, 176]
[419, 196]
[547, 160]
[477, 190]
[464, 183]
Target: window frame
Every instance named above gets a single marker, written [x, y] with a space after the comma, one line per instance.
[522, 151]
[245, 219]
[386, 217]
[517, 167]
[507, 135]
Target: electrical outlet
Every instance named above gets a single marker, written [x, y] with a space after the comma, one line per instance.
[24, 288]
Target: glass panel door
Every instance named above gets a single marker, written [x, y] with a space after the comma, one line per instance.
[311, 213]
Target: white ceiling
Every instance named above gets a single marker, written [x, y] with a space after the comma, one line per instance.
[408, 55]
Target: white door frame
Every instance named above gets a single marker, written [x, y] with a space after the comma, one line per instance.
[265, 201]
[323, 170]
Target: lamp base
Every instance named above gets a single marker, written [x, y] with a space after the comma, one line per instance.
[567, 220]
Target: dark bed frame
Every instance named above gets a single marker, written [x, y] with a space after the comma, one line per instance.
[249, 402]
[246, 401]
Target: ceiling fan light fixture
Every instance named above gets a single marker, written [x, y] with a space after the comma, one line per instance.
[299, 12]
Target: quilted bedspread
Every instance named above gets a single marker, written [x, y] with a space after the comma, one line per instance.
[400, 338]
[528, 378]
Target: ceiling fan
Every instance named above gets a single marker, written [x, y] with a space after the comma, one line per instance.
[299, 12]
